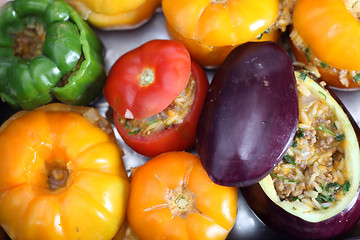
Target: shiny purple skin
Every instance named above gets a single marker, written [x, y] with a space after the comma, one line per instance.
[250, 115]
[283, 222]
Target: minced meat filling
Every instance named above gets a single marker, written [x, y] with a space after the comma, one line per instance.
[174, 114]
[313, 169]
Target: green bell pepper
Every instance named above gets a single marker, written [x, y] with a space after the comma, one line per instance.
[48, 52]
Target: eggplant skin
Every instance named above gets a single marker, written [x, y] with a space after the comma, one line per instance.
[284, 222]
[250, 115]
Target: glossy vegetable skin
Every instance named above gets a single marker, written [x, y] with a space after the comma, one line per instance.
[283, 222]
[144, 81]
[213, 56]
[68, 65]
[114, 14]
[171, 64]
[273, 213]
[178, 137]
[250, 115]
[211, 29]
[329, 29]
[328, 74]
[61, 175]
[175, 188]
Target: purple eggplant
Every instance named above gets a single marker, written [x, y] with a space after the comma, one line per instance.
[288, 217]
[250, 115]
[286, 223]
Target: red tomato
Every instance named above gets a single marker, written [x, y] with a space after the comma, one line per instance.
[144, 81]
[178, 137]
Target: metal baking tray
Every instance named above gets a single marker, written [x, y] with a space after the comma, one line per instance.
[118, 42]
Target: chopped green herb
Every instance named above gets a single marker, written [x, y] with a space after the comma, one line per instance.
[356, 78]
[340, 137]
[321, 198]
[346, 186]
[127, 126]
[332, 187]
[324, 129]
[294, 144]
[294, 208]
[300, 133]
[303, 76]
[293, 199]
[135, 131]
[289, 159]
[324, 65]
[323, 95]
[307, 50]
[152, 122]
[282, 178]
[261, 35]
[334, 125]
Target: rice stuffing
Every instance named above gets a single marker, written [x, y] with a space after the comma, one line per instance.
[174, 114]
[313, 170]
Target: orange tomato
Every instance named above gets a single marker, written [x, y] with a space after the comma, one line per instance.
[210, 55]
[114, 14]
[329, 31]
[172, 197]
[211, 29]
[329, 74]
[61, 175]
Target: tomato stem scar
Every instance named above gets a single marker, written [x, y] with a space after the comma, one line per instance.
[147, 77]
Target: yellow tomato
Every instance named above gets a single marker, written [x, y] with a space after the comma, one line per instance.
[115, 14]
[172, 197]
[61, 175]
[330, 31]
[210, 29]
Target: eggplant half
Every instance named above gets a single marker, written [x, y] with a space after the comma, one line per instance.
[313, 193]
[250, 115]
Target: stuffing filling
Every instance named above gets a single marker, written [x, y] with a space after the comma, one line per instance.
[174, 114]
[313, 170]
[284, 19]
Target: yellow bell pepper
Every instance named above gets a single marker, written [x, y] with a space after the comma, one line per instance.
[210, 29]
[61, 175]
[115, 14]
